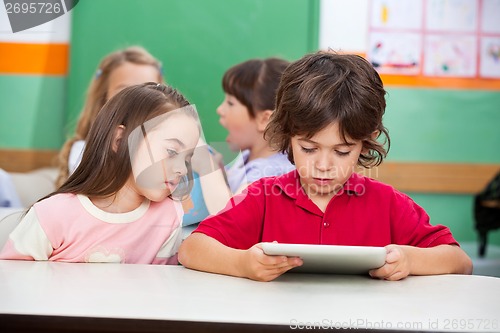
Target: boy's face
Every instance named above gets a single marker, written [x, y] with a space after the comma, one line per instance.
[161, 159]
[243, 130]
[325, 161]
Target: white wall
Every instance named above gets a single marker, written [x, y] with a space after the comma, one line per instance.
[344, 25]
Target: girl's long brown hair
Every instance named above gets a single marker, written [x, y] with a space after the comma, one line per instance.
[103, 171]
[97, 97]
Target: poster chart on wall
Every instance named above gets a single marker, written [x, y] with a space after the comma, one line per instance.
[435, 38]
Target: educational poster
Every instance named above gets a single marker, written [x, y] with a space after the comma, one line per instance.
[451, 15]
[395, 43]
[396, 14]
[428, 40]
[450, 55]
[490, 57]
[489, 54]
[490, 17]
[395, 53]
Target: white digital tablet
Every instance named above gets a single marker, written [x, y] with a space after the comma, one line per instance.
[330, 258]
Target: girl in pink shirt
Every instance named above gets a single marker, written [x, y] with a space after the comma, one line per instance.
[120, 203]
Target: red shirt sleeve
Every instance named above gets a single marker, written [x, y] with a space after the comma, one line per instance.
[240, 224]
[411, 225]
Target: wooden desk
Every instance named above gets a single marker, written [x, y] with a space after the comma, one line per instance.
[63, 297]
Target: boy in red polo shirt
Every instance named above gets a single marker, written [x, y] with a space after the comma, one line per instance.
[328, 117]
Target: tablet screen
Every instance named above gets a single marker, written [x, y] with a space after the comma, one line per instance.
[335, 259]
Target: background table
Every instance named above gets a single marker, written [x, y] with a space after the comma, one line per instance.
[57, 297]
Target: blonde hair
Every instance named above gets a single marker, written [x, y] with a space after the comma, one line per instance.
[97, 97]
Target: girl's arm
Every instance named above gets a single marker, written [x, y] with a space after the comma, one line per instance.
[404, 260]
[204, 253]
[168, 252]
[28, 241]
[215, 191]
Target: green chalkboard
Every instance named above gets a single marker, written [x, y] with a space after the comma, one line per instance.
[197, 40]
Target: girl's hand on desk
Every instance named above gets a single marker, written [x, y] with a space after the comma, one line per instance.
[262, 267]
[396, 267]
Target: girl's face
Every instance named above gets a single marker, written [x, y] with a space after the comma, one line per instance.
[161, 159]
[325, 162]
[129, 74]
[234, 116]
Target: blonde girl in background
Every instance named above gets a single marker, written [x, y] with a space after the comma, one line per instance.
[123, 68]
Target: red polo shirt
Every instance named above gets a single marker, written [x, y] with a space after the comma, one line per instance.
[365, 213]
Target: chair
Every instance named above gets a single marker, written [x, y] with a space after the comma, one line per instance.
[8, 223]
[487, 212]
[34, 185]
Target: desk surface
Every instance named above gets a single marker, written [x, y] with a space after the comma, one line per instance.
[173, 293]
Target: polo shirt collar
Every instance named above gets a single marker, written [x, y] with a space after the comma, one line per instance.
[290, 184]
[355, 184]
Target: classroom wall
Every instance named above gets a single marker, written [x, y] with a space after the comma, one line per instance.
[198, 40]
[443, 125]
[33, 69]
[426, 124]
